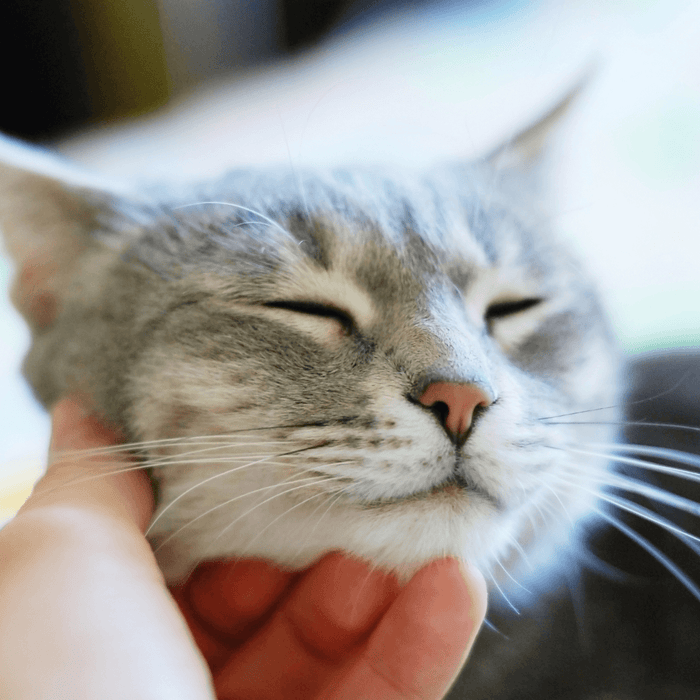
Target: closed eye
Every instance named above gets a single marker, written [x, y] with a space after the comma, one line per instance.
[503, 309]
[313, 308]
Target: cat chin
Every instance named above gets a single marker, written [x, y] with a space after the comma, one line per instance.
[398, 538]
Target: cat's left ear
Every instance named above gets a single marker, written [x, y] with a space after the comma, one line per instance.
[48, 208]
[524, 152]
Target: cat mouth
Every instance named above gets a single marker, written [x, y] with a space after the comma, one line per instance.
[455, 487]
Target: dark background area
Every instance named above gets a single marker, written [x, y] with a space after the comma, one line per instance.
[72, 62]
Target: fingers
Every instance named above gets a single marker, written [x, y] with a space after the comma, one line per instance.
[345, 631]
[77, 476]
[326, 616]
[225, 603]
[421, 643]
[231, 597]
[338, 603]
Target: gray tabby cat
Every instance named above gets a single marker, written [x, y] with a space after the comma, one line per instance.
[358, 359]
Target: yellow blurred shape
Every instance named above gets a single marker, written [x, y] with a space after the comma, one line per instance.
[17, 485]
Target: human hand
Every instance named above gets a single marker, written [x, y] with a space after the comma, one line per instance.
[85, 614]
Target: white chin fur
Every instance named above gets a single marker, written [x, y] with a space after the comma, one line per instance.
[398, 538]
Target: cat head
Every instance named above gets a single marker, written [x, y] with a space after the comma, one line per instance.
[354, 359]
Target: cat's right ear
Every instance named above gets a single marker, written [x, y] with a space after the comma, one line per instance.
[47, 210]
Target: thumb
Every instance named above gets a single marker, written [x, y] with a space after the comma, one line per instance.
[79, 585]
[86, 469]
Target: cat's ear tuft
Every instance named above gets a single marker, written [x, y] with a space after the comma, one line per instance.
[47, 210]
[524, 151]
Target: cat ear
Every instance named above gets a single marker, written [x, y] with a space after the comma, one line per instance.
[524, 151]
[47, 210]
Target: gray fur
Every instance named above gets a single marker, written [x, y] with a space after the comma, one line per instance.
[162, 323]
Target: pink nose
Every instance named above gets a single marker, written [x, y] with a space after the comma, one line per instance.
[460, 400]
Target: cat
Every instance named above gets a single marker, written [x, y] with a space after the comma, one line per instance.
[358, 359]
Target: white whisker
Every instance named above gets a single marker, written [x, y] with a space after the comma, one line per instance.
[639, 423]
[632, 461]
[652, 517]
[521, 551]
[631, 403]
[141, 466]
[189, 441]
[655, 494]
[508, 574]
[242, 208]
[264, 460]
[304, 482]
[656, 553]
[197, 485]
[652, 451]
[503, 595]
[333, 498]
[556, 495]
[272, 522]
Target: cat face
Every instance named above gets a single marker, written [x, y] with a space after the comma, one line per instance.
[355, 360]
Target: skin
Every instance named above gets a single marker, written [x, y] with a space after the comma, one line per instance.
[85, 613]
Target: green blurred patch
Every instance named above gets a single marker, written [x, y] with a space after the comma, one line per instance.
[662, 145]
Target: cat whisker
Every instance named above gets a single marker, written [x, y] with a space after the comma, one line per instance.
[198, 485]
[168, 459]
[271, 523]
[519, 548]
[333, 499]
[556, 495]
[508, 574]
[307, 481]
[669, 565]
[624, 423]
[140, 466]
[211, 460]
[641, 463]
[295, 173]
[495, 629]
[270, 221]
[665, 392]
[687, 538]
[137, 447]
[251, 223]
[653, 493]
[314, 481]
[652, 451]
[142, 445]
[219, 476]
[617, 480]
[646, 514]
[503, 595]
[176, 460]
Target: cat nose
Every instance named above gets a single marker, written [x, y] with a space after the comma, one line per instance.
[454, 405]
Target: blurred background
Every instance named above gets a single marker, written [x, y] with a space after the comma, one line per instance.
[181, 89]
